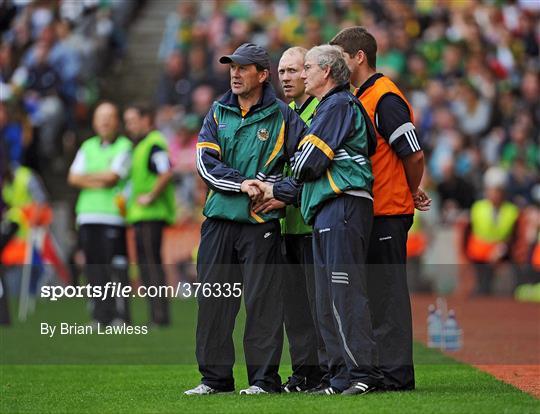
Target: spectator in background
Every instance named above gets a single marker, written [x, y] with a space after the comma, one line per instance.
[11, 136]
[416, 76]
[492, 230]
[390, 61]
[455, 192]
[198, 66]
[530, 91]
[7, 67]
[178, 27]
[521, 145]
[150, 205]
[173, 88]
[100, 170]
[183, 148]
[62, 58]
[202, 97]
[521, 182]
[42, 100]
[452, 69]
[472, 111]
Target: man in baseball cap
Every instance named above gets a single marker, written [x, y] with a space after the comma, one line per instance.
[247, 135]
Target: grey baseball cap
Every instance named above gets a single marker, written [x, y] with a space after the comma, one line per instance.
[248, 54]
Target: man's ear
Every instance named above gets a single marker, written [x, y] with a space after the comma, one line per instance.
[360, 57]
[327, 72]
[264, 75]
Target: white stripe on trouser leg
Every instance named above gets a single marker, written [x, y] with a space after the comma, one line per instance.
[340, 277]
[338, 319]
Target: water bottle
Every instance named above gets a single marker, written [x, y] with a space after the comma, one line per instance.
[434, 327]
[452, 332]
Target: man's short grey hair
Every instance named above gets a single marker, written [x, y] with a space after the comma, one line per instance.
[331, 57]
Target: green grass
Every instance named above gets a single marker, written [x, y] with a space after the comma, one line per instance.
[148, 374]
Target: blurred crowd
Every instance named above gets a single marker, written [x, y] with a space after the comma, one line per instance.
[469, 68]
[52, 56]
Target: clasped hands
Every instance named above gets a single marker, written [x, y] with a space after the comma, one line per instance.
[261, 195]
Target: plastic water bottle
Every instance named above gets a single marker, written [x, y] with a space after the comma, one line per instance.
[452, 332]
[434, 327]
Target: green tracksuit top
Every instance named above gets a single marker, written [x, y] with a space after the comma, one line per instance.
[293, 223]
[233, 147]
[334, 154]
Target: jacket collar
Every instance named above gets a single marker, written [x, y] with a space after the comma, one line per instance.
[268, 97]
[368, 83]
[300, 109]
[343, 87]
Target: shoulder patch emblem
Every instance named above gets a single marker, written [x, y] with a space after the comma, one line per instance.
[263, 134]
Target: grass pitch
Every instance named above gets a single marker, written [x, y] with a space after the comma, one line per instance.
[148, 374]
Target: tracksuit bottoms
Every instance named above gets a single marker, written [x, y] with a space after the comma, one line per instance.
[105, 250]
[232, 252]
[389, 300]
[340, 242]
[306, 346]
[148, 239]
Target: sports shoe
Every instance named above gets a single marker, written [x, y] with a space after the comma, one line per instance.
[203, 389]
[319, 387]
[253, 390]
[295, 384]
[324, 390]
[359, 388]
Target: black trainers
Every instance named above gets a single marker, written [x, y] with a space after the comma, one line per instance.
[295, 384]
[323, 390]
[359, 388]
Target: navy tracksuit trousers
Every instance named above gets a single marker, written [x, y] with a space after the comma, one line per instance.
[341, 238]
[389, 300]
[247, 254]
[306, 346]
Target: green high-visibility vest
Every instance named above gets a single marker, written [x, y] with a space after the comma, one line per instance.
[293, 223]
[143, 181]
[98, 158]
[490, 227]
[16, 196]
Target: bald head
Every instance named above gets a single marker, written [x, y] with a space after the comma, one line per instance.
[296, 50]
[106, 121]
[290, 68]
